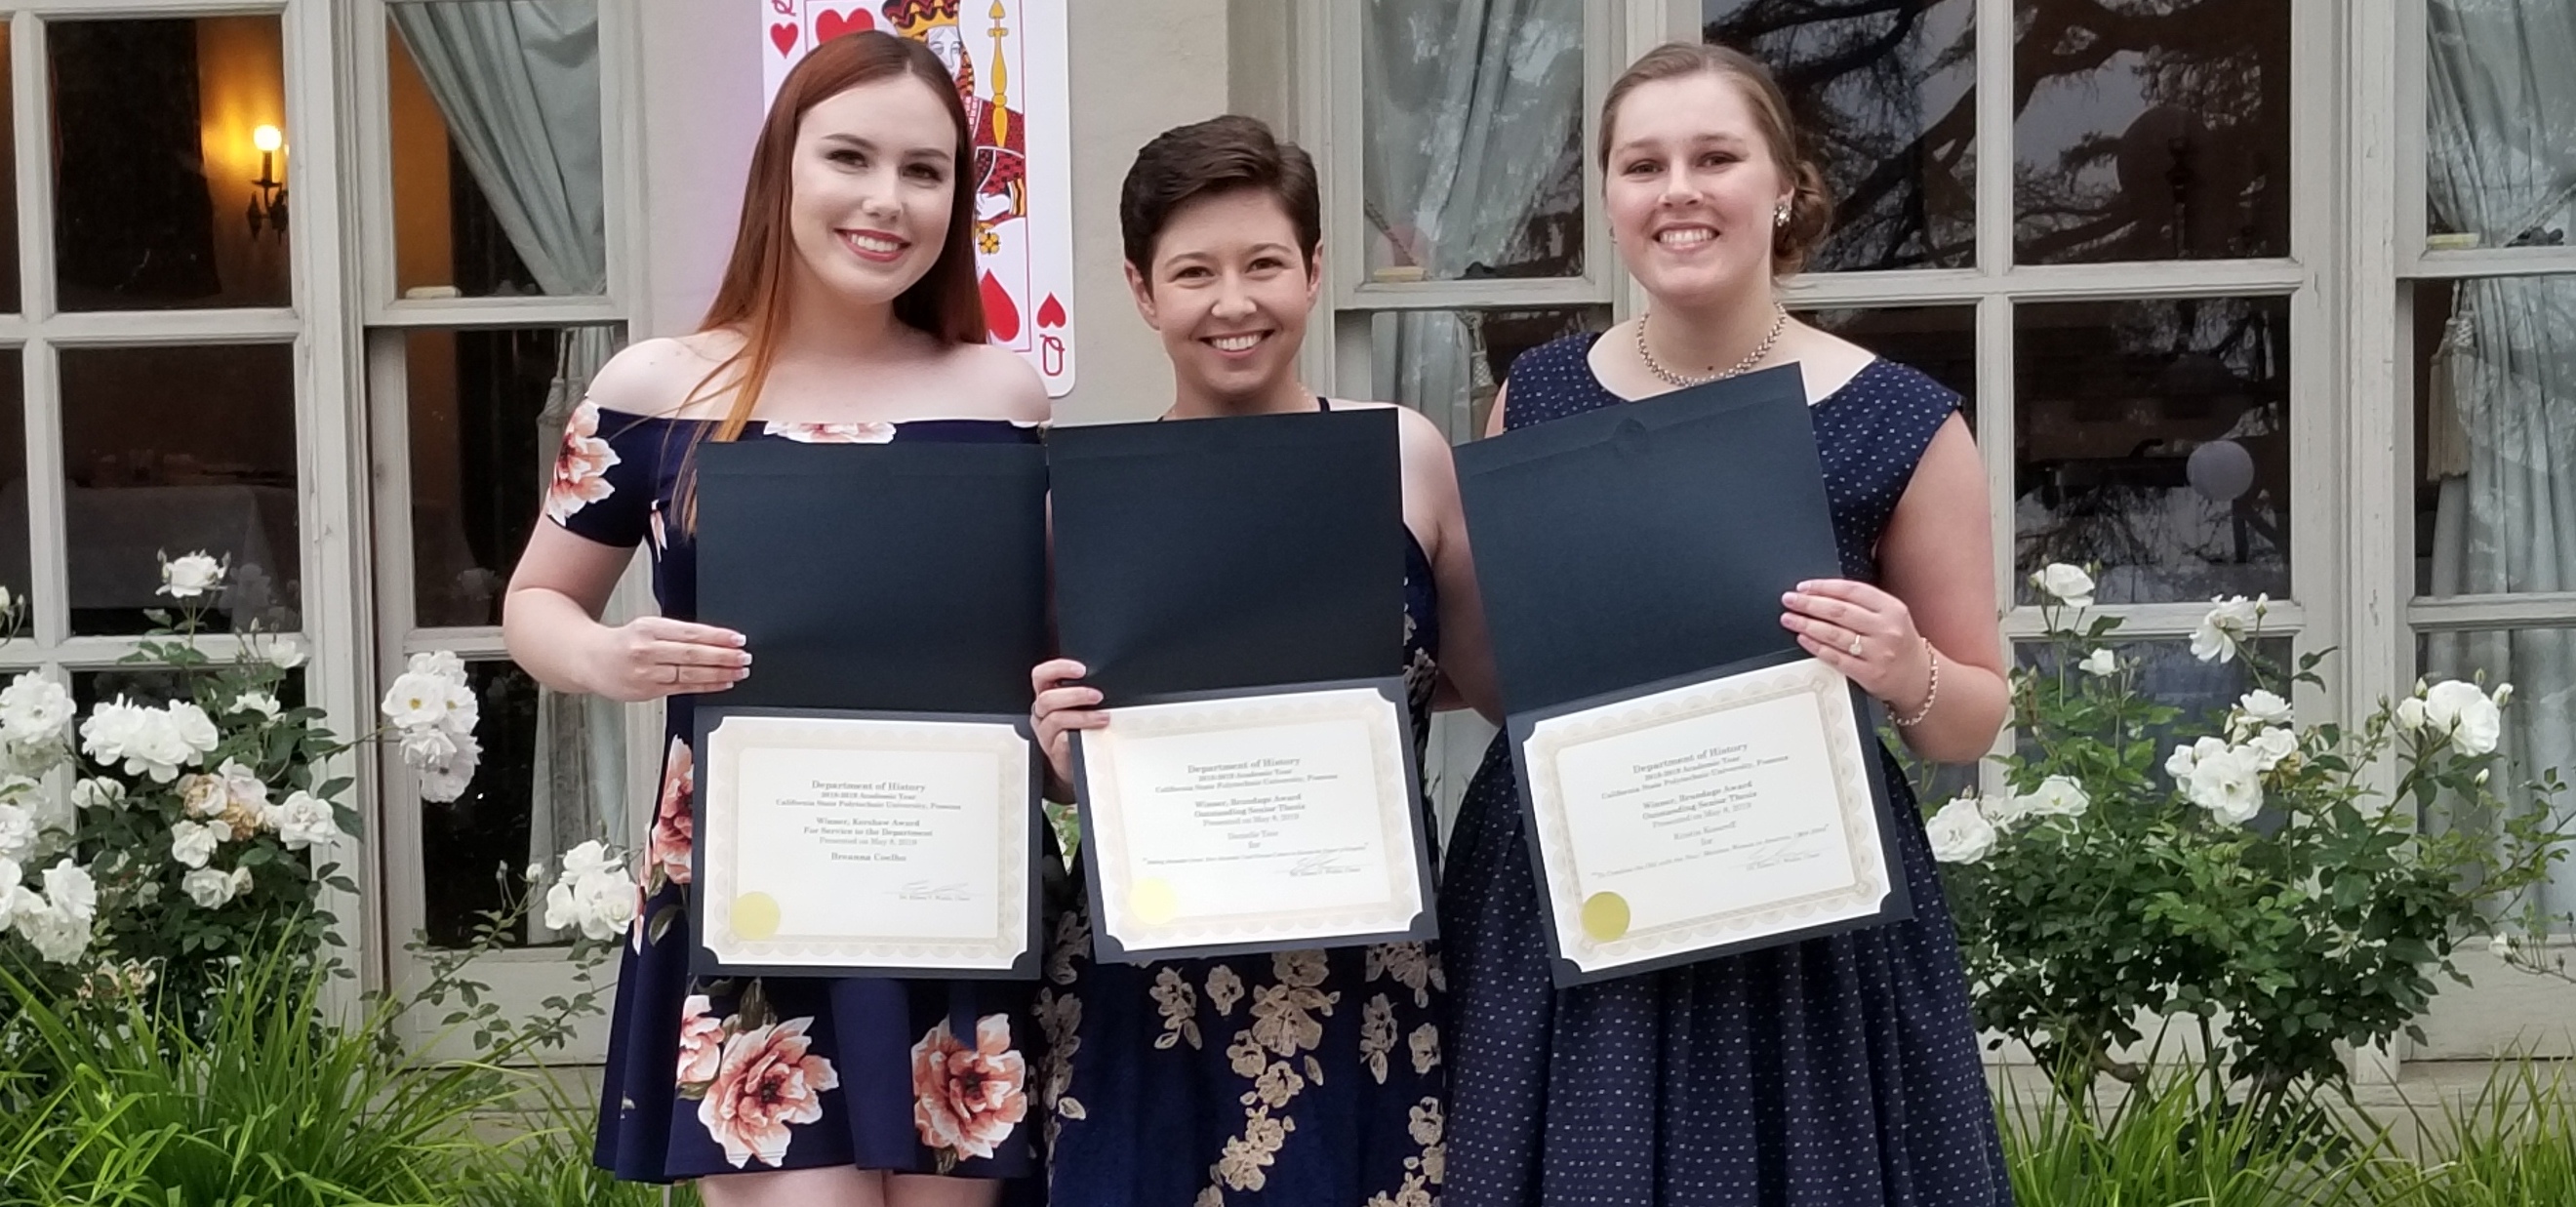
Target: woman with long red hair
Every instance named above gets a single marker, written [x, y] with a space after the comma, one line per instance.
[848, 312]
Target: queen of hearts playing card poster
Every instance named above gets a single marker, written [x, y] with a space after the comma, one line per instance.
[1008, 58]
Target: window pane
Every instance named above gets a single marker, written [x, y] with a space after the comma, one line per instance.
[175, 451]
[2151, 130]
[1448, 363]
[14, 562]
[2539, 733]
[1939, 340]
[496, 149]
[2153, 438]
[1474, 159]
[8, 180]
[1884, 95]
[487, 410]
[2168, 674]
[2495, 436]
[2500, 123]
[163, 195]
[475, 849]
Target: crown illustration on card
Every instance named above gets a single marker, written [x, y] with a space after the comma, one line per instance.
[912, 18]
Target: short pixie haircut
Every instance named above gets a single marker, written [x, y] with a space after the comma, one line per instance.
[1204, 159]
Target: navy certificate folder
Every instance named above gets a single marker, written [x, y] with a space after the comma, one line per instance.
[904, 577]
[1637, 548]
[902, 581]
[1211, 554]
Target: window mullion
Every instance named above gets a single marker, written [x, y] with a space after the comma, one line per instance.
[33, 145]
[48, 570]
[1994, 185]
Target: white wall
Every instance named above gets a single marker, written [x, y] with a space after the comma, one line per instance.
[1138, 67]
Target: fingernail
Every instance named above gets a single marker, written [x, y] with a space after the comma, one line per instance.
[1789, 600]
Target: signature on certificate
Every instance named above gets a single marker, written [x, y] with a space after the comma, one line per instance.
[927, 890]
[1796, 848]
[1321, 863]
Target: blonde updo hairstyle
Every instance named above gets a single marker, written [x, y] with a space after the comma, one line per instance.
[1811, 206]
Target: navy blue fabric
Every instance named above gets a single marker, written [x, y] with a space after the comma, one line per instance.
[1836, 1072]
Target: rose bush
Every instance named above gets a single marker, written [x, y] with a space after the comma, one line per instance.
[152, 841]
[2251, 881]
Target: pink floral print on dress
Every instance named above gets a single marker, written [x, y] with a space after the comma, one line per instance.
[768, 1081]
[967, 1100]
[581, 470]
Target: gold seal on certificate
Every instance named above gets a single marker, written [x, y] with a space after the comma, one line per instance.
[838, 843]
[1708, 816]
[1254, 822]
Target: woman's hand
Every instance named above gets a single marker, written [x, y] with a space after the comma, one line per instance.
[651, 657]
[1061, 707]
[1865, 633]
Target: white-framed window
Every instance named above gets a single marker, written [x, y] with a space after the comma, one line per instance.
[498, 210]
[2481, 424]
[166, 381]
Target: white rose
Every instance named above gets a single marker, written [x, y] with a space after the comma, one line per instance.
[1960, 833]
[241, 881]
[2263, 708]
[262, 703]
[590, 859]
[2184, 758]
[427, 745]
[2058, 796]
[438, 664]
[2500, 947]
[15, 896]
[2503, 694]
[2474, 723]
[2229, 784]
[210, 888]
[193, 843]
[2004, 812]
[447, 779]
[304, 821]
[607, 905]
[34, 710]
[201, 796]
[98, 794]
[563, 912]
[17, 831]
[2410, 714]
[242, 786]
[2100, 663]
[55, 936]
[416, 700]
[191, 576]
[285, 653]
[2227, 622]
[2271, 746]
[2071, 585]
[70, 892]
[111, 726]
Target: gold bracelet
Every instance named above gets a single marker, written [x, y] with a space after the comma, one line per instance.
[1930, 694]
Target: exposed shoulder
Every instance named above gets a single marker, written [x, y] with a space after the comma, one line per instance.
[999, 385]
[657, 377]
[1416, 435]
[1828, 362]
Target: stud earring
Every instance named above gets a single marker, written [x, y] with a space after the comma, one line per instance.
[1780, 216]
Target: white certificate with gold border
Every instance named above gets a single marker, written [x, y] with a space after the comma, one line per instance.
[1254, 821]
[833, 843]
[1706, 818]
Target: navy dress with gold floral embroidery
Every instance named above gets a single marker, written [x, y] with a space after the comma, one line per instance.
[1300, 1079]
[744, 1075]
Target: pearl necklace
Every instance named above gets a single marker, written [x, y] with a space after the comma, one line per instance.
[1760, 350]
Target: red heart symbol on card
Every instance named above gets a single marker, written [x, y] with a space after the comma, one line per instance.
[1001, 315]
[1050, 312]
[784, 38]
[832, 25]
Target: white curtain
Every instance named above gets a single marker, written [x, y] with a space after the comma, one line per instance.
[1468, 107]
[2501, 438]
[518, 84]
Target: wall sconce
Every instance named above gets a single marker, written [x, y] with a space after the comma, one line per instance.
[268, 205]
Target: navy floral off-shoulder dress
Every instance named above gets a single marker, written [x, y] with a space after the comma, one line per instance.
[751, 1074]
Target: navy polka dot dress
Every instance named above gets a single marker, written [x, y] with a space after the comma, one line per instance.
[1836, 1072]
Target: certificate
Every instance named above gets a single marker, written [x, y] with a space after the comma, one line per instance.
[1254, 821]
[835, 843]
[1705, 818]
